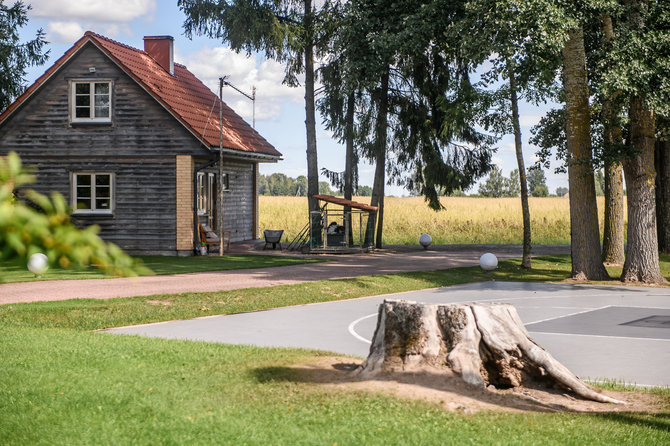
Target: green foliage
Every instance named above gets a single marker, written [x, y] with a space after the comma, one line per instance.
[562, 191]
[24, 230]
[496, 185]
[278, 184]
[536, 178]
[364, 191]
[430, 137]
[324, 188]
[540, 191]
[15, 56]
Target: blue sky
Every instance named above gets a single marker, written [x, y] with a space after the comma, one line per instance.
[280, 111]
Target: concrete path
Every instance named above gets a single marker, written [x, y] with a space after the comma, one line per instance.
[387, 261]
[598, 332]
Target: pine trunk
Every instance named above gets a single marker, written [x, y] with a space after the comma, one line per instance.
[642, 257]
[380, 156]
[483, 344]
[584, 231]
[349, 162]
[613, 240]
[525, 209]
[663, 195]
[349, 159]
[310, 119]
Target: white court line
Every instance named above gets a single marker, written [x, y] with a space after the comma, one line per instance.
[352, 331]
[567, 315]
[352, 327]
[599, 336]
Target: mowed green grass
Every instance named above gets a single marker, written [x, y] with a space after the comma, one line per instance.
[62, 387]
[13, 271]
[60, 383]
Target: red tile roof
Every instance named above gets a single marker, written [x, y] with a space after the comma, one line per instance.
[183, 95]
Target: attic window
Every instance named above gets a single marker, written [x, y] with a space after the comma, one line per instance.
[91, 101]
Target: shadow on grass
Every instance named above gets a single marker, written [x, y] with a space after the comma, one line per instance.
[657, 421]
[441, 386]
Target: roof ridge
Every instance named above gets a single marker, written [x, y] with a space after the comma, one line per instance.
[115, 42]
[185, 97]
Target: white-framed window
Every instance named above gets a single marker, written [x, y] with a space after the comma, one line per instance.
[92, 192]
[225, 182]
[91, 101]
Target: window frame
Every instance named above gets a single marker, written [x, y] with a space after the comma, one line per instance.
[225, 181]
[93, 210]
[91, 95]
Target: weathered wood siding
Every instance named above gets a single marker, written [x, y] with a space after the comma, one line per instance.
[238, 201]
[139, 147]
[141, 223]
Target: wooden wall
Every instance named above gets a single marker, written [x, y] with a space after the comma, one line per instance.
[139, 147]
[238, 202]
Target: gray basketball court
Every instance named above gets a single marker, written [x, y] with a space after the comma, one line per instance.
[598, 332]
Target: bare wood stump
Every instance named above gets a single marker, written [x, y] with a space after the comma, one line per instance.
[483, 344]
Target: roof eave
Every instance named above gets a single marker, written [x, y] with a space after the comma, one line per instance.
[258, 157]
[48, 74]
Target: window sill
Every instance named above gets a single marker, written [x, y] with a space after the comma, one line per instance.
[90, 123]
[104, 214]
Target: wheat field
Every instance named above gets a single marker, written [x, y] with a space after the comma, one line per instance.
[465, 220]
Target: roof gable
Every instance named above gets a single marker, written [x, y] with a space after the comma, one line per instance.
[183, 95]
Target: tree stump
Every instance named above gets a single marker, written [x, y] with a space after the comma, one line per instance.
[483, 344]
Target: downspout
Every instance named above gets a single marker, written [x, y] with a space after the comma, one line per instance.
[195, 200]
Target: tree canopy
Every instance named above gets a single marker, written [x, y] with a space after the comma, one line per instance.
[15, 56]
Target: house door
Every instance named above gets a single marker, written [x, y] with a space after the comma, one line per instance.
[207, 199]
[211, 201]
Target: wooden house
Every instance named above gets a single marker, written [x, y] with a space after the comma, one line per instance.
[132, 140]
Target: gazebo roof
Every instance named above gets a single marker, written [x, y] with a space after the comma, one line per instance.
[348, 203]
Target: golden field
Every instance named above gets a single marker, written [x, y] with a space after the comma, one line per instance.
[464, 220]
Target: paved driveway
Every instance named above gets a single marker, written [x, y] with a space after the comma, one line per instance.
[598, 332]
[388, 261]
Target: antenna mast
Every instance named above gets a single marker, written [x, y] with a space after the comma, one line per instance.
[252, 97]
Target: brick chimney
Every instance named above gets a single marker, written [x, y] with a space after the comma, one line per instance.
[161, 49]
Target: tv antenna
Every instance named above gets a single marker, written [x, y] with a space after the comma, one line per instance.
[252, 97]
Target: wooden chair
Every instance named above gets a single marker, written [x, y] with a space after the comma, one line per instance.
[209, 237]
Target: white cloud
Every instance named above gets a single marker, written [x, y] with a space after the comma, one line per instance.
[97, 10]
[70, 32]
[64, 32]
[209, 64]
[530, 120]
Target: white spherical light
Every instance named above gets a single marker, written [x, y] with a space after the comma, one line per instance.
[38, 264]
[488, 262]
[425, 240]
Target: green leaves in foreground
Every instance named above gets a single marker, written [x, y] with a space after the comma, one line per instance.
[24, 230]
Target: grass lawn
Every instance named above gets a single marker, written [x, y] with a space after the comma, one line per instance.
[62, 384]
[12, 271]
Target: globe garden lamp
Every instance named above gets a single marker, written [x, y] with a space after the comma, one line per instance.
[38, 264]
[425, 240]
[488, 262]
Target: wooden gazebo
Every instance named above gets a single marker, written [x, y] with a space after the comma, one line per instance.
[349, 227]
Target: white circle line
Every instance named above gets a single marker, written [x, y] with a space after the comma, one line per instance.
[352, 326]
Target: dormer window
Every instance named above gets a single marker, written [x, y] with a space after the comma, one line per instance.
[91, 101]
